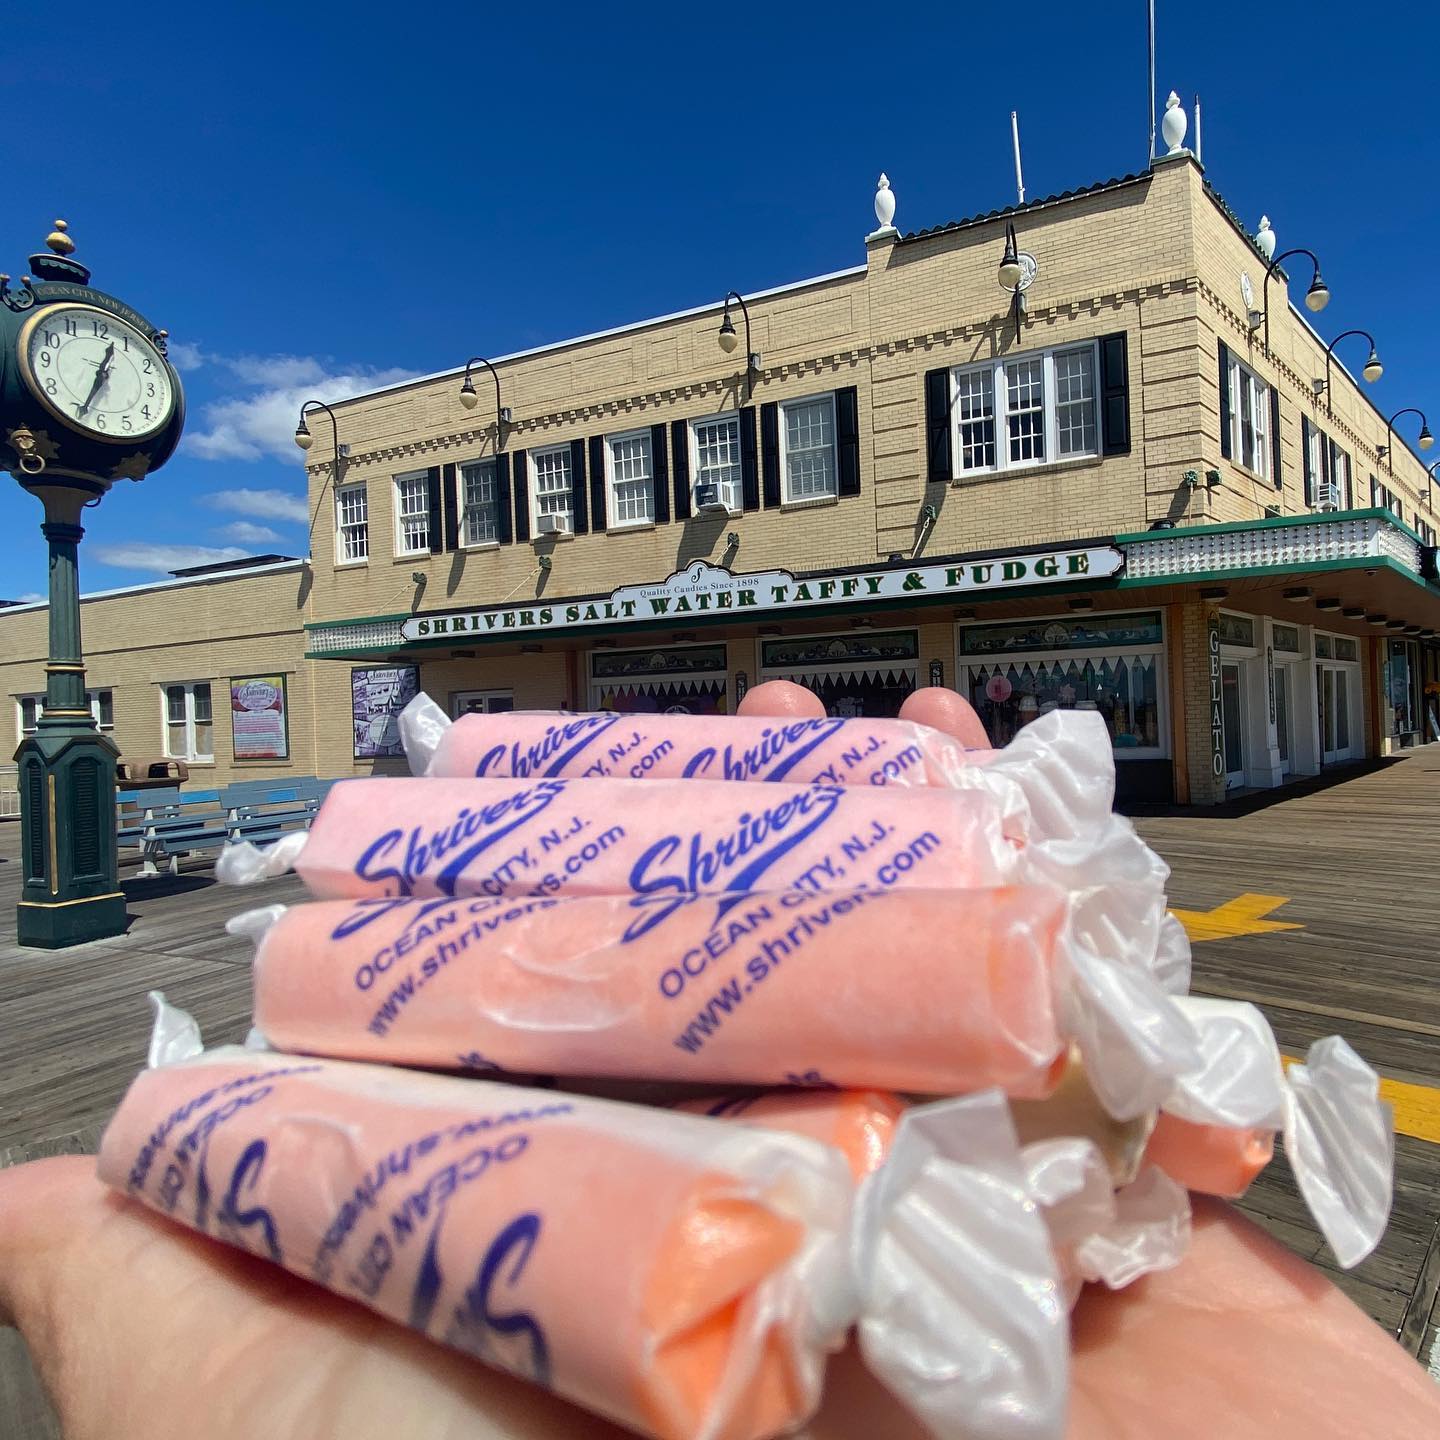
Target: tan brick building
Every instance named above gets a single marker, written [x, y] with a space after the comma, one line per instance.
[1131, 506]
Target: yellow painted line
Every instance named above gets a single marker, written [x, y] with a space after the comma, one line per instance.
[1417, 1107]
[1244, 915]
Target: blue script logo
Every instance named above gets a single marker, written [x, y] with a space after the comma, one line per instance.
[491, 823]
[672, 873]
[749, 764]
[555, 750]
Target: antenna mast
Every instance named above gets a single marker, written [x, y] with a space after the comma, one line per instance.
[1019, 178]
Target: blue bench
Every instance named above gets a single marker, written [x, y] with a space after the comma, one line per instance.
[167, 823]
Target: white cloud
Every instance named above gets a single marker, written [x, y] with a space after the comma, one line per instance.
[185, 356]
[31, 597]
[248, 534]
[161, 559]
[261, 504]
[261, 421]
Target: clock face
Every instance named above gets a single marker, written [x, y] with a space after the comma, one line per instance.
[97, 373]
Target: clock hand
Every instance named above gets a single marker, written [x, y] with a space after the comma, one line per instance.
[101, 376]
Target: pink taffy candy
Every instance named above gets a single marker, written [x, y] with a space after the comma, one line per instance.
[782, 698]
[1213, 1159]
[754, 989]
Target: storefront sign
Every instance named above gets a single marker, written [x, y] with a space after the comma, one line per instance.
[258, 729]
[376, 698]
[1217, 721]
[1270, 679]
[702, 588]
[937, 672]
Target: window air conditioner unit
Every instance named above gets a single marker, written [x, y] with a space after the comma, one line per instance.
[553, 525]
[708, 501]
[1327, 497]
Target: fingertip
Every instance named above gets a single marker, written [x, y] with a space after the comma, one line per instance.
[783, 699]
[948, 711]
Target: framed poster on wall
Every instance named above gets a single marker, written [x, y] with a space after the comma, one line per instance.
[259, 718]
[377, 696]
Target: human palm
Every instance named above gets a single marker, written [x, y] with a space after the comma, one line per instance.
[144, 1331]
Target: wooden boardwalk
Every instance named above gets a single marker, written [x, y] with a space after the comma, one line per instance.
[1354, 859]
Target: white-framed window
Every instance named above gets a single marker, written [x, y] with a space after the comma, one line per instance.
[480, 502]
[631, 465]
[715, 457]
[352, 524]
[1340, 475]
[31, 707]
[412, 514]
[550, 486]
[189, 731]
[480, 702]
[1425, 531]
[1249, 419]
[1025, 410]
[807, 449]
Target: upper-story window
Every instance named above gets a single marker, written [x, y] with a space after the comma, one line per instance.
[1249, 419]
[1382, 497]
[1426, 532]
[715, 458]
[1007, 414]
[189, 731]
[807, 448]
[352, 524]
[550, 490]
[32, 707]
[412, 514]
[1340, 475]
[482, 504]
[632, 479]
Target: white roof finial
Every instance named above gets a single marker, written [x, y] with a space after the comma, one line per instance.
[884, 209]
[1173, 125]
[1265, 239]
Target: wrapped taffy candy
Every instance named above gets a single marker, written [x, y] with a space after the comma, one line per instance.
[931, 991]
[679, 1275]
[1062, 763]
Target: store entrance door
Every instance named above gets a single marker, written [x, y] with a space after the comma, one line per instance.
[1333, 694]
[1232, 712]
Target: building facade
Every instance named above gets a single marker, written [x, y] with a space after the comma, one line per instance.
[1122, 498]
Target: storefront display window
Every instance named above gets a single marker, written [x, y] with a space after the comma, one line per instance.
[680, 680]
[855, 674]
[1285, 637]
[1400, 687]
[1111, 664]
[1237, 630]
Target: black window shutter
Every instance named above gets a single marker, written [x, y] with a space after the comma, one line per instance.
[520, 483]
[847, 439]
[770, 453]
[1306, 429]
[680, 466]
[661, 470]
[434, 519]
[939, 465]
[1225, 401]
[749, 464]
[504, 504]
[579, 510]
[1276, 474]
[1115, 394]
[450, 502]
[598, 521]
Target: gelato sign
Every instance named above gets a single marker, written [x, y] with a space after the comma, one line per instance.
[705, 589]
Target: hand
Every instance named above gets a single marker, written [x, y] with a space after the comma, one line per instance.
[145, 1331]
[102, 374]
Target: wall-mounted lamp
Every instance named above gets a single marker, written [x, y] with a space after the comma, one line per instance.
[1425, 439]
[1394, 624]
[1016, 275]
[729, 340]
[1354, 612]
[1376, 619]
[305, 440]
[469, 399]
[1317, 297]
[1297, 596]
[1328, 602]
[1434, 466]
[1372, 370]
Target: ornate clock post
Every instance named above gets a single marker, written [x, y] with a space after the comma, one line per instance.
[87, 397]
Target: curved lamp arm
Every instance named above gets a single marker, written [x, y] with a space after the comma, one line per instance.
[1372, 371]
[468, 397]
[304, 440]
[1317, 297]
[728, 338]
[1426, 439]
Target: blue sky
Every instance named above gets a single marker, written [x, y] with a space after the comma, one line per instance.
[314, 200]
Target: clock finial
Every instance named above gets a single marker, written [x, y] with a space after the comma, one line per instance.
[58, 241]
